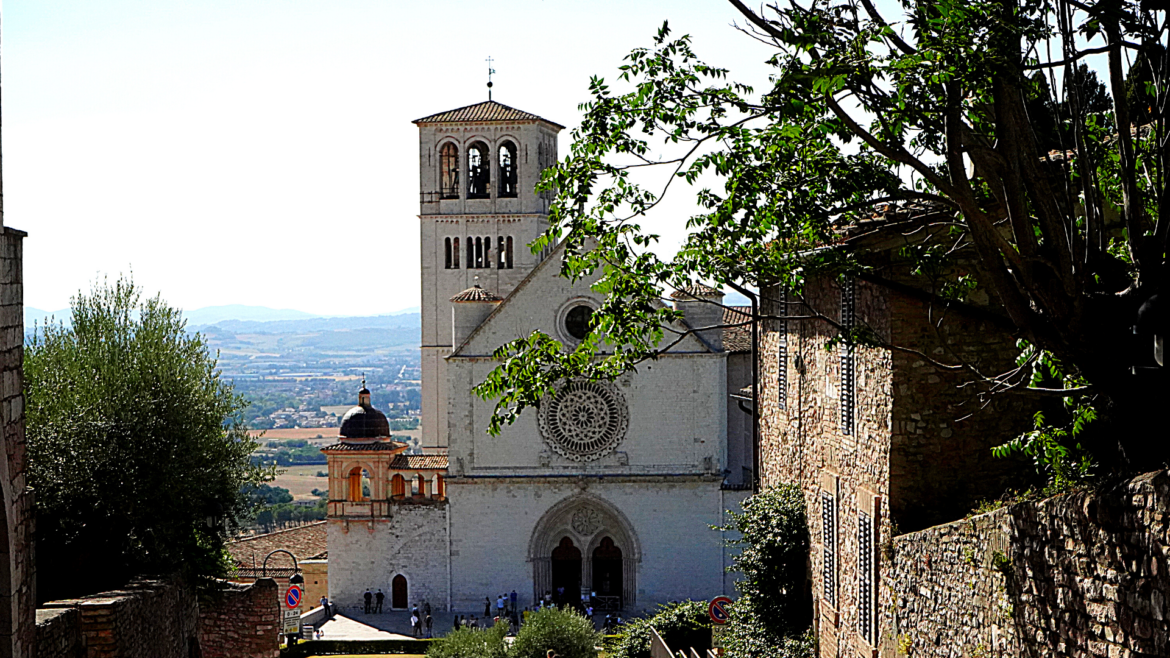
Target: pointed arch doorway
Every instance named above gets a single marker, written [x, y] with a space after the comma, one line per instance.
[587, 546]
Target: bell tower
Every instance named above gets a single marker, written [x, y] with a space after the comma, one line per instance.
[478, 209]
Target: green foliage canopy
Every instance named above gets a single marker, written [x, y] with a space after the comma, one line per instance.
[471, 643]
[135, 448]
[681, 625]
[567, 633]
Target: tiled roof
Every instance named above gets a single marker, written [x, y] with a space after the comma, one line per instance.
[697, 290]
[306, 541]
[414, 462]
[737, 339]
[365, 447]
[477, 294]
[486, 111]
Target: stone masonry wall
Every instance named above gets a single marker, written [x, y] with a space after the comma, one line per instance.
[241, 621]
[59, 633]
[1082, 574]
[17, 571]
[146, 619]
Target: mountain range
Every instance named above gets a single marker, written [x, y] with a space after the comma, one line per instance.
[239, 318]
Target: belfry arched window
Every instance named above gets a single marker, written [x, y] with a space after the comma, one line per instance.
[507, 170]
[500, 252]
[487, 252]
[449, 171]
[478, 253]
[508, 254]
[479, 171]
[447, 253]
[455, 254]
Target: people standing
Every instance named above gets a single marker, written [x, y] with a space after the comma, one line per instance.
[369, 599]
[512, 600]
[487, 606]
[429, 621]
[500, 606]
[458, 622]
[378, 598]
[414, 625]
[427, 609]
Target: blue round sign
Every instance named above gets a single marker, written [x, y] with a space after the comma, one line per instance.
[718, 609]
[292, 597]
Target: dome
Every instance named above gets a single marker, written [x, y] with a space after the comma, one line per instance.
[364, 422]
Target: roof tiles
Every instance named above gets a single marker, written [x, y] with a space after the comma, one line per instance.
[486, 111]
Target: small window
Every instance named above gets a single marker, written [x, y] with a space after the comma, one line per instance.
[508, 258]
[449, 171]
[866, 594]
[447, 253]
[848, 364]
[577, 321]
[479, 171]
[829, 547]
[455, 254]
[507, 170]
[478, 253]
[782, 351]
[500, 252]
[470, 252]
[487, 252]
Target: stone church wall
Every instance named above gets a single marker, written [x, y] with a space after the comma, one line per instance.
[1083, 574]
[368, 554]
[669, 519]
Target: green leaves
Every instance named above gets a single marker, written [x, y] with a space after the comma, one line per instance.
[135, 446]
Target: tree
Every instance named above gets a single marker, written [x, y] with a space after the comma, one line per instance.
[567, 633]
[135, 445]
[471, 643]
[927, 107]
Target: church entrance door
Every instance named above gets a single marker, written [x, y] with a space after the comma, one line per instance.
[607, 575]
[398, 597]
[566, 572]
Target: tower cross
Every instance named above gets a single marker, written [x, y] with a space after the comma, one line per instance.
[490, 72]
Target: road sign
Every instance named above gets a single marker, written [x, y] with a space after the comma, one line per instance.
[292, 598]
[292, 622]
[718, 609]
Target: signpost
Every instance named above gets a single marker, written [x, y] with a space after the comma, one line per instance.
[718, 609]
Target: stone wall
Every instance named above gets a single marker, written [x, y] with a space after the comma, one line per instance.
[162, 619]
[17, 574]
[241, 621]
[1083, 574]
[146, 619]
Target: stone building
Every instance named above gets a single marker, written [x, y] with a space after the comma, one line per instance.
[608, 489]
[883, 440]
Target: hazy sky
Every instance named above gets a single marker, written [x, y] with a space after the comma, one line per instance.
[261, 151]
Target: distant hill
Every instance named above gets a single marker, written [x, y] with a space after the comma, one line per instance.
[38, 316]
[405, 321]
[216, 314]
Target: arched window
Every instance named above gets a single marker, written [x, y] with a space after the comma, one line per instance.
[447, 253]
[479, 171]
[455, 253]
[487, 252]
[500, 252]
[359, 487]
[414, 481]
[397, 486]
[478, 253]
[470, 252]
[507, 170]
[440, 487]
[508, 254]
[449, 171]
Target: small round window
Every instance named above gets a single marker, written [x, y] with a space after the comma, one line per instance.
[577, 321]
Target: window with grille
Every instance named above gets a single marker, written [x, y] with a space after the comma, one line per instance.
[866, 594]
[846, 350]
[829, 546]
[782, 352]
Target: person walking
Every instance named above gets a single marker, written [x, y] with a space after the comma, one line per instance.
[369, 598]
[429, 621]
[378, 598]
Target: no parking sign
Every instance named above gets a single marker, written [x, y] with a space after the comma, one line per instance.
[719, 609]
[292, 598]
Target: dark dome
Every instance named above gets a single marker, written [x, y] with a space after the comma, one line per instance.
[364, 421]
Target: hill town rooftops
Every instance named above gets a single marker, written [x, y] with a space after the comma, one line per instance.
[419, 462]
[698, 290]
[486, 111]
[372, 445]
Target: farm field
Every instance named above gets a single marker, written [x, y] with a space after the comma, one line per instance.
[301, 480]
[284, 433]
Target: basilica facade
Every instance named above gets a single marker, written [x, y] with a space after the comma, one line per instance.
[608, 490]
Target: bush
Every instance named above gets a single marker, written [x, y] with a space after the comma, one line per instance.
[567, 633]
[747, 636]
[681, 625]
[471, 643]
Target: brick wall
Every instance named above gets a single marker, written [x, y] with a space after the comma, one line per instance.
[17, 575]
[242, 621]
[162, 619]
[1084, 574]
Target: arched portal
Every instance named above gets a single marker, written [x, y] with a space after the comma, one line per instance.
[608, 571]
[600, 534]
[398, 593]
[566, 572]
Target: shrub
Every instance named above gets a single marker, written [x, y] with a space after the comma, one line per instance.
[681, 625]
[471, 643]
[567, 633]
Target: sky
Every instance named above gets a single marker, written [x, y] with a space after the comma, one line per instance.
[261, 152]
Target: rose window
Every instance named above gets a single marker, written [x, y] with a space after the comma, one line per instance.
[584, 420]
